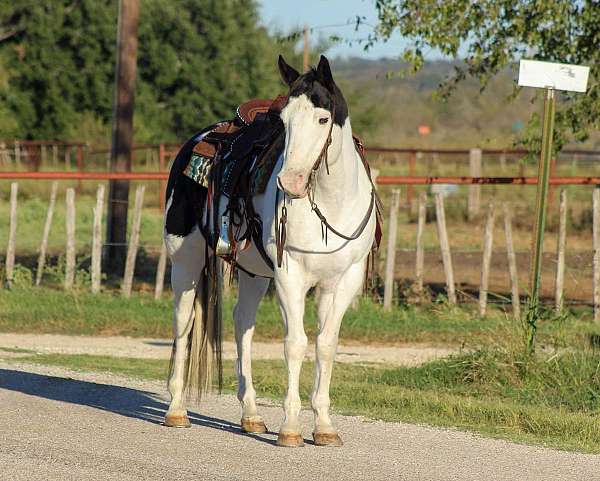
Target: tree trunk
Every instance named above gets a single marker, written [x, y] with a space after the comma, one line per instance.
[122, 138]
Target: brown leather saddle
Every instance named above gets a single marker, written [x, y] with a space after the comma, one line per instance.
[255, 122]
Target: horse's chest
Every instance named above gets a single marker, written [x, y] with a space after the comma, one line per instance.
[321, 252]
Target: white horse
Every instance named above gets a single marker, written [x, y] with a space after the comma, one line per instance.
[320, 167]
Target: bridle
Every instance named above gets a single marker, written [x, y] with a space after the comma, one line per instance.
[280, 222]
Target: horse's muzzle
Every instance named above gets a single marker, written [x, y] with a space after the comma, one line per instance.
[294, 184]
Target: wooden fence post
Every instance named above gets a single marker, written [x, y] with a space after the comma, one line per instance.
[45, 234]
[390, 255]
[512, 263]
[474, 200]
[412, 161]
[488, 242]
[12, 235]
[162, 186]
[54, 155]
[160, 272]
[596, 247]
[17, 155]
[445, 247]
[96, 273]
[70, 248]
[44, 156]
[560, 256]
[67, 157]
[134, 240]
[4, 158]
[79, 159]
[420, 257]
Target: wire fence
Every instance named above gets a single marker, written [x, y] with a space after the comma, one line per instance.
[466, 199]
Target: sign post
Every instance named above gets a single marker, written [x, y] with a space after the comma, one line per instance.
[551, 77]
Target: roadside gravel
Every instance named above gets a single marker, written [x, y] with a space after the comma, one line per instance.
[145, 348]
[58, 424]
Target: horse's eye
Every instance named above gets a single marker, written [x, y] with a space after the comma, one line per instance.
[323, 120]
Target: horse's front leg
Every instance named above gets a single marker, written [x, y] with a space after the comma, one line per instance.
[251, 291]
[333, 303]
[291, 291]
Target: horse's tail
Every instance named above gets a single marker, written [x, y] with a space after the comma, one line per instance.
[204, 347]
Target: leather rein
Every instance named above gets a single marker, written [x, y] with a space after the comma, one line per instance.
[280, 222]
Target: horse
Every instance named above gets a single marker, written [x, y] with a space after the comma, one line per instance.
[318, 228]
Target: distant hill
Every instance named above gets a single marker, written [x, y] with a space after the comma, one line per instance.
[388, 108]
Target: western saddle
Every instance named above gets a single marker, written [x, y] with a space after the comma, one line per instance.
[255, 122]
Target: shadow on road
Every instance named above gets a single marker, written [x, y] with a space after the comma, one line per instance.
[120, 400]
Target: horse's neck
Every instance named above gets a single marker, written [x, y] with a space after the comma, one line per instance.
[341, 185]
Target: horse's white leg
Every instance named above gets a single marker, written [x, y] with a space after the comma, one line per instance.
[251, 291]
[333, 303]
[291, 290]
[187, 259]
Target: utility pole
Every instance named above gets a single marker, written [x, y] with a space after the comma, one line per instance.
[122, 135]
[306, 61]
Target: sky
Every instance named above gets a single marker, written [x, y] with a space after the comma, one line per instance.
[329, 17]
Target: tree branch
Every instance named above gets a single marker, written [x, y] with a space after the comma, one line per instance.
[6, 34]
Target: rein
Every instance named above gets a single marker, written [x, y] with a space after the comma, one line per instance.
[280, 222]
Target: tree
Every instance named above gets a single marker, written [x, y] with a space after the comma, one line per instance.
[491, 35]
[197, 59]
[59, 59]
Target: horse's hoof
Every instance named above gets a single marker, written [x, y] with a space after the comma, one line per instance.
[253, 426]
[177, 421]
[327, 439]
[290, 440]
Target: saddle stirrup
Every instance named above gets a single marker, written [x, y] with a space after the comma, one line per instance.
[223, 247]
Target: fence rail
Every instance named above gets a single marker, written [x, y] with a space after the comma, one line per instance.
[381, 179]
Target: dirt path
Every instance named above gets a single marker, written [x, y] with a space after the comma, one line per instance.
[61, 424]
[161, 348]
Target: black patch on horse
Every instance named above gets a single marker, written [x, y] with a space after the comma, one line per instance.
[187, 197]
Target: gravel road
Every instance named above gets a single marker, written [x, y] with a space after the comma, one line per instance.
[121, 346]
[58, 424]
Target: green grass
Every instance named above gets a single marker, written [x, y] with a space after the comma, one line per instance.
[16, 350]
[47, 310]
[554, 401]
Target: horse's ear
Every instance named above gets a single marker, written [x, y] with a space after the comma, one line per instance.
[324, 72]
[288, 73]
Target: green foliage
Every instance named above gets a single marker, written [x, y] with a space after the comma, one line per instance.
[57, 62]
[22, 277]
[492, 35]
[197, 59]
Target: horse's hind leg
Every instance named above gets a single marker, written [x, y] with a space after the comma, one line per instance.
[251, 291]
[187, 259]
[333, 303]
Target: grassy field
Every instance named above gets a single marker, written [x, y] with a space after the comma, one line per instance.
[79, 312]
[549, 400]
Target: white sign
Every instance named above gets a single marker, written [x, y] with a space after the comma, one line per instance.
[560, 76]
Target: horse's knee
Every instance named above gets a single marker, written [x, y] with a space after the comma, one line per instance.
[295, 347]
[325, 351]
